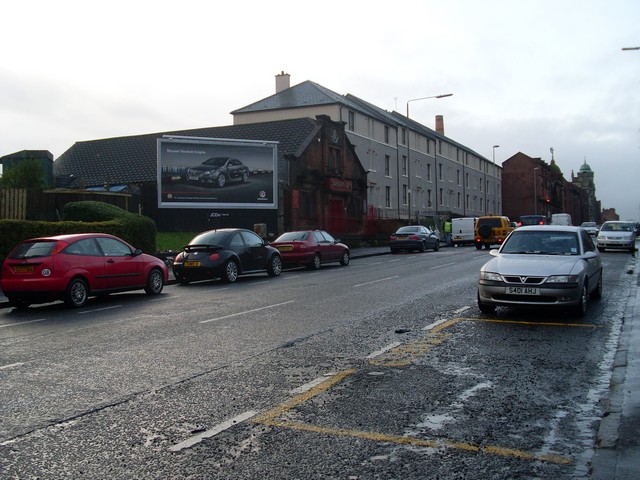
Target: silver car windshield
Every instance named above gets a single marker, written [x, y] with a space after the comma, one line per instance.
[541, 243]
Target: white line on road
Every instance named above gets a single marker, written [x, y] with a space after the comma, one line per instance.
[435, 324]
[100, 309]
[377, 353]
[308, 386]
[460, 310]
[4, 367]
[375, 281]
[22, 323]
[443, 265]
[213, 431]
[247, 311]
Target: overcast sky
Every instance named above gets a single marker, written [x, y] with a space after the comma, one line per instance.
[528, 75]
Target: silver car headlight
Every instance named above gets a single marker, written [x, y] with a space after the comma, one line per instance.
[562, 279]
[491, 276]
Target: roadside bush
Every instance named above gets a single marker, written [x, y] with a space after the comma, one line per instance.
[83, 217]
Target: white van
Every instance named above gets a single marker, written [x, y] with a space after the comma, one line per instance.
[561, 219]
[462, 230]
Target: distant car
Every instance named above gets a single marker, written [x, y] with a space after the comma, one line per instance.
[218, 171]
[74, 267]
[617, 235]
[491, 230]
[532, 220]
[311, 248]
[542, 266]
[225, 253]
[590, 227]
[414, 237]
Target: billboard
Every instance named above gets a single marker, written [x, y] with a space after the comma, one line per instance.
[195, 172]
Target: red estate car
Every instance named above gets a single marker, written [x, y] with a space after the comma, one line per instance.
[311, 248]
[74, 267]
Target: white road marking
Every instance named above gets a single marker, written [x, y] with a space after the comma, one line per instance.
[4, 367]
[460, 310]
[99, 309]
[435, 324]
[22, 323]
[213, 431]
[308, 386]
[377, 353]
[443, 265]
[375, 281]
[247, 311]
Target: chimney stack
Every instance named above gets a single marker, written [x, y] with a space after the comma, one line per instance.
[282, 81]
[440, 124]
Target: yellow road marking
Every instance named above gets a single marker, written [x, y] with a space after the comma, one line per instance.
[270, 418]
[523, 322]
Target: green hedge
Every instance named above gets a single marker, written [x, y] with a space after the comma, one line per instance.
[83, 217]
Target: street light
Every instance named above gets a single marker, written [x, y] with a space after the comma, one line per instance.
[426, 98]
[495, 180]
[409, 152]
[535, 194]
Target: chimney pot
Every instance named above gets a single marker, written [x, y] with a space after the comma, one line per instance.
[440, 124]
[282, 81]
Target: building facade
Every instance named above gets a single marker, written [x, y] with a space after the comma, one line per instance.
[413, 172]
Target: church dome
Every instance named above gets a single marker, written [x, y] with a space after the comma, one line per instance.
[585, 168]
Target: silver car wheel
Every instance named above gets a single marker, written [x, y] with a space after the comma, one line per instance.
[231, 271]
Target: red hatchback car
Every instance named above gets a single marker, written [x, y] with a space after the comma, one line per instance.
[74, 267]
[311, 248]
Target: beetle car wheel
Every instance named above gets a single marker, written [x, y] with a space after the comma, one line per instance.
[221, 180]
[346, 258]
[316, 262]
[77, 293]
[230, 272]
[275, 266]
[581, 308]
[155, 282]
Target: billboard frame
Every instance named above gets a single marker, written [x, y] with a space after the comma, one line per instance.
[180, 186]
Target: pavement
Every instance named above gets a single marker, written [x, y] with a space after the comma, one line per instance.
[617, 450]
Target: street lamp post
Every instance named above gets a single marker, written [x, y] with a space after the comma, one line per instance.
[535, 193]
[434, 153]
[495, 181]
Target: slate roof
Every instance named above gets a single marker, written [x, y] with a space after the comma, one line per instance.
[304, 94]
[133, 159]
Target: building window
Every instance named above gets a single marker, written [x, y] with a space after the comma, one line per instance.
[458, 200]
[308, 208]
[441, 198]
[429, 198]
[440, 147]
[387, 165]
[458, 177]
[387, 197]
[480, 184]
[428, 172]
[334, 160]
[467, 202]
[404, 165]
[352, 121]
[405, 192]
[440, 171]
[403, 136]
[466, 180]
[386, 134]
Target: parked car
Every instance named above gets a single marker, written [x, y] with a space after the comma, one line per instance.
[590, 227]
[311, 248]
[225, 253]
[617, 235]
[542, 266]
[491, 230]
[414, 237]
[218, 171]
[74, 267]
[561, 219]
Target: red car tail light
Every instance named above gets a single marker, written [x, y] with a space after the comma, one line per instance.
[392, 238]
[214, 257]
[414, 237]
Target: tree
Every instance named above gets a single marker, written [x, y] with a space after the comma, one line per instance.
[27, 173]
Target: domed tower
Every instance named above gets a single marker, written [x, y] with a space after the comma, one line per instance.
[585, 180]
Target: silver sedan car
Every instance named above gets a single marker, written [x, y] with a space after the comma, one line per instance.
[542, 266]
[617, 236]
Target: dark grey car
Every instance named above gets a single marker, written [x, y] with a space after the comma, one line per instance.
[414, 237]
[218, 171]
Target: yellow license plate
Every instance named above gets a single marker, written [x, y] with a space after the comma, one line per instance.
[23, 269]
[285, 248]
[191, 264]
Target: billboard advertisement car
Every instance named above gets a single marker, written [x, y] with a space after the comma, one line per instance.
[198, 172]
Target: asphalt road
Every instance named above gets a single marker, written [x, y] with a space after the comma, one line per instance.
[382, 369]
